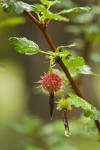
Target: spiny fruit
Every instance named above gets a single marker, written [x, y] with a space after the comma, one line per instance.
[51, 82]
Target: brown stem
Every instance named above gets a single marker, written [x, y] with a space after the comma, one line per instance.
[43, 28]
[47, 22]
[51, 104]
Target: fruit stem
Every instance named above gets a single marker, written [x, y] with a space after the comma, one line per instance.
[51, 104]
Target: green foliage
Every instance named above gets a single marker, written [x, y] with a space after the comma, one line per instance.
[50, 136]
[66, 4]
[46, 14]
[49, 3]
[10, 22]
[28, 125]
[88, 25]
[83, 127]
[74, 62]
[89, 110]
[77, 66]
[75, 10]
[16, 6]
[22, 45]
[42, 10]
[74, 65]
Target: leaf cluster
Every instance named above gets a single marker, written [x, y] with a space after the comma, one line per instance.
[42, 10]
[76, 101]
[88, 25]
[89, 110]
[75, 65]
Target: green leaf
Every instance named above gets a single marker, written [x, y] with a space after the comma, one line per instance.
[75, 10]
[89, 110]
[93, 114]
[74, 62]
[78, 102]
[66, 4]
[46, 14]
[22, 45]
[45, 2]
[17, 7]
[13, 21]
[49, 3]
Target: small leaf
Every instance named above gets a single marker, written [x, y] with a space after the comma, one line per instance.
[17, 7]
[89, 110]
[78, 102]
[66, 4]
[13, 21]
[49, 3]
[75, 10]
[45, 2]
[74, 62]
[22, 45]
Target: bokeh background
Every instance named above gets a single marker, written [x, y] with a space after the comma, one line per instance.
[24, 117]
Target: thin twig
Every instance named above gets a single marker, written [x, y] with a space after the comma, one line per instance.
[47, 22]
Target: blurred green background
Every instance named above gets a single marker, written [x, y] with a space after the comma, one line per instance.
[24, 115]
